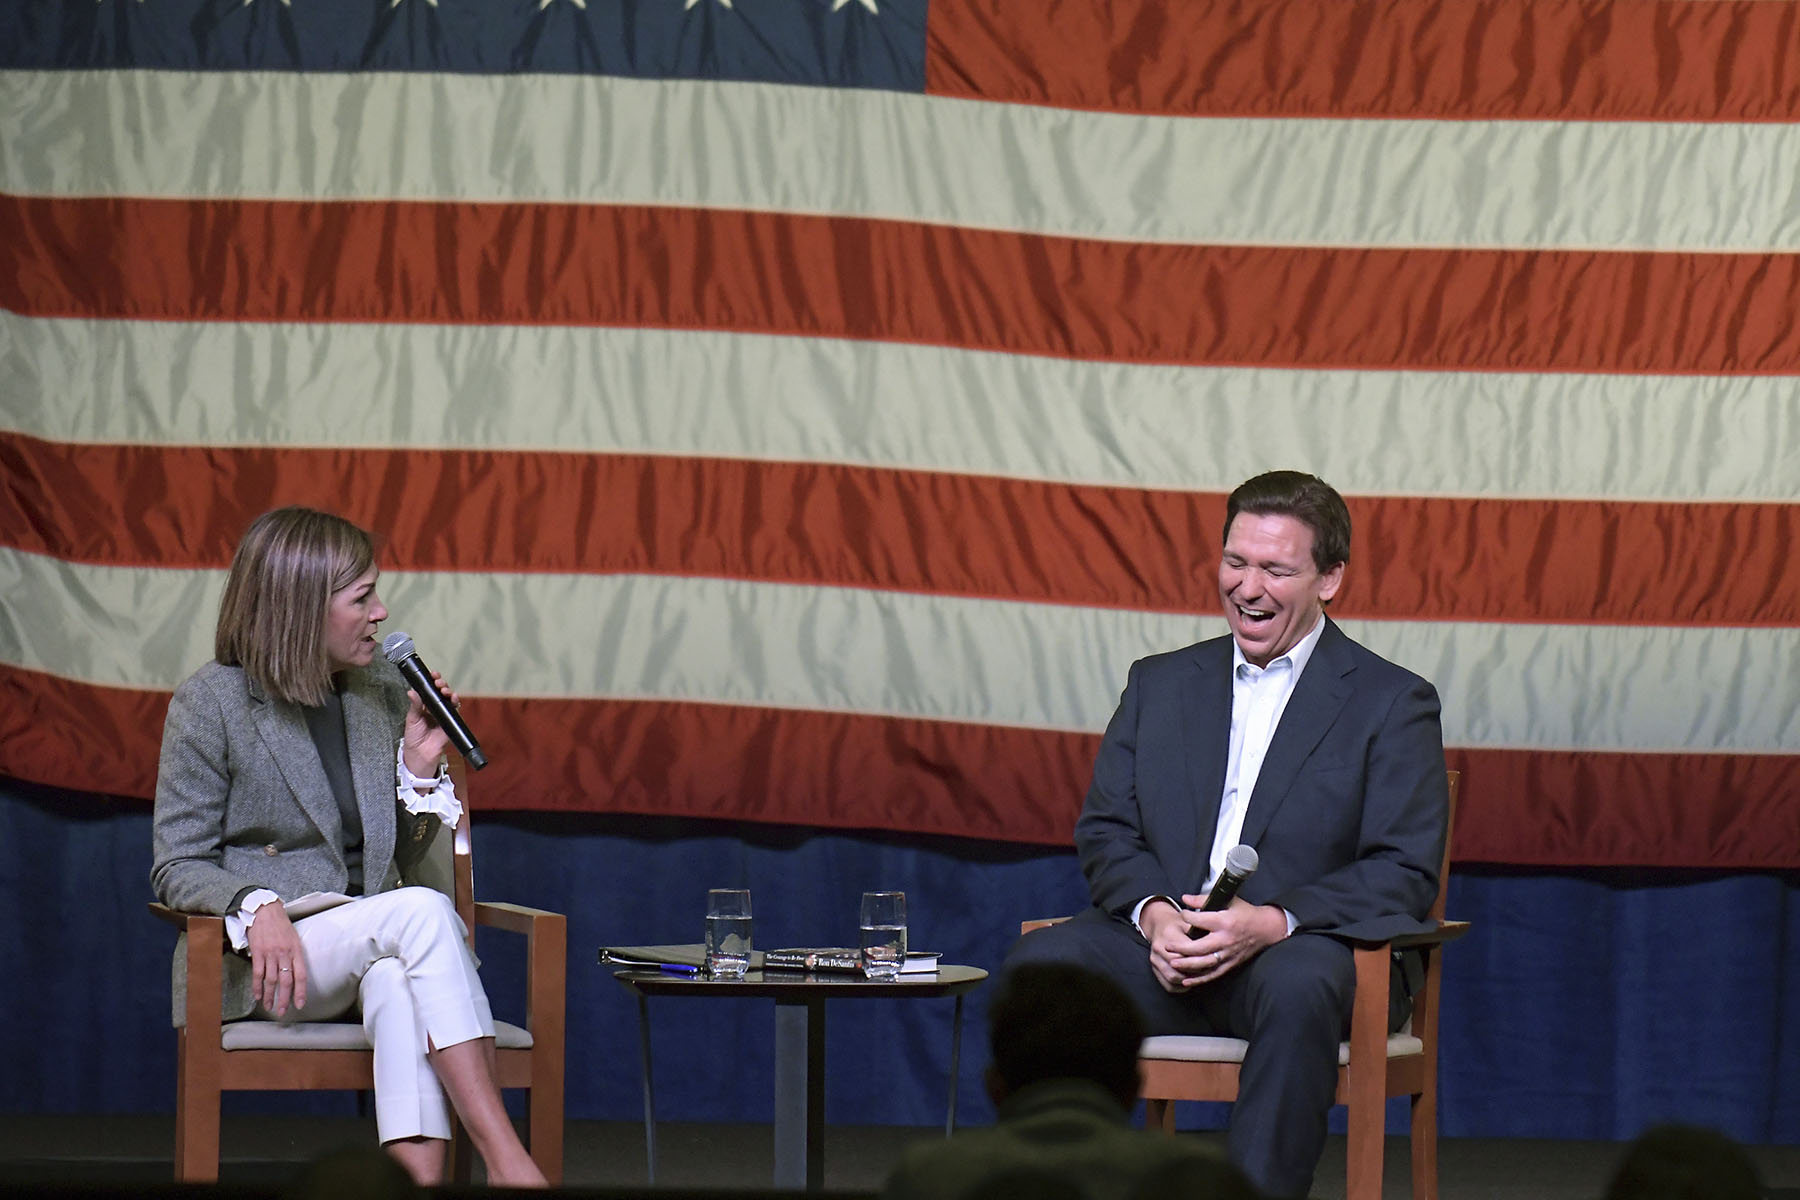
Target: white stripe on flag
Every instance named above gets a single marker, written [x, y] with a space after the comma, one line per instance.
[523, 138]
[1667, 438]
[1550, 687]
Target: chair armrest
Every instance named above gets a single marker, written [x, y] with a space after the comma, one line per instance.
[205, 931]
[513, 918]
[205, 968]
[1026, 927]
[163, 912]
[1446, 931]
[546, 967]
[1441, 932]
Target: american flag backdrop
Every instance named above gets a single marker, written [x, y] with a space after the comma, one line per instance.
[803, 411]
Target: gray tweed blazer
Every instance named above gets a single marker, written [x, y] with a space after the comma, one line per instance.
[242, 801]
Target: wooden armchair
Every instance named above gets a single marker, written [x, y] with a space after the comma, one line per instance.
[1372, 1065]
[213, 1056]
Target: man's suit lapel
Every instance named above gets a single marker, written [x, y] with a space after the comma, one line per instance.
[1320, 695]
[1206, 718]
[283, 730]
[372, 750]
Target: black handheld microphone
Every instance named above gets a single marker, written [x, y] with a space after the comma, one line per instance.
[398, 647]
[1240, 864]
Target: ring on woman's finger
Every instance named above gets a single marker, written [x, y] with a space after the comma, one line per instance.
[284, 970]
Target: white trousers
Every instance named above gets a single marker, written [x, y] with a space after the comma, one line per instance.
[401, 956]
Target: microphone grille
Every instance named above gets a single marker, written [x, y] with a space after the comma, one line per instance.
[1241, 860]
[397, 646]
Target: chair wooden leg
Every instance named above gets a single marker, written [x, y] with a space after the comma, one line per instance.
[1424, 1145]
[546, 1013]
[1159, 1114]
[1366, 1098]
[1362, 1168]
[196, 1112]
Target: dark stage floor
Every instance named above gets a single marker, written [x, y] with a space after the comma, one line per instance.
[268, 1151]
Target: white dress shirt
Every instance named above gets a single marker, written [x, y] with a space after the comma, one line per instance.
[1259, 695]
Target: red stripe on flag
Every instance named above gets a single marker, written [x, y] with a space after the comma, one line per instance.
[1413, 558]
[1503, 59]
[79, 735]
[1557, 808]
[898, 281]
[861, 772]
[767, 765]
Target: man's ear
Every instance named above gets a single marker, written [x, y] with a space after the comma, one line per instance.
[996, 1086]
[1330, 580]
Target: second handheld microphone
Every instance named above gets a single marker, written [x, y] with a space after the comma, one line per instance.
[399, 649]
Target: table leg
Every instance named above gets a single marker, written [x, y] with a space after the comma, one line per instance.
[800, 1093]
[649, 1089]
[955, 1056]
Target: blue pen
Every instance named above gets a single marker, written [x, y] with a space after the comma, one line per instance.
[677, 969]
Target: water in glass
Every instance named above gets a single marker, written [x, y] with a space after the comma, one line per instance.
[727, 947]
[883, 950]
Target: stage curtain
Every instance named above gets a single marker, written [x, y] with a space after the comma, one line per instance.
[1584, 1004]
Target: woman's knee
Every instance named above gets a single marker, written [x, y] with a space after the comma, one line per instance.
[383, 972]
[418, 897]
[425, 908]
[384, 980]
[410, 921]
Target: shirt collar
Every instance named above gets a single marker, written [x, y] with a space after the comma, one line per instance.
[1297, 658]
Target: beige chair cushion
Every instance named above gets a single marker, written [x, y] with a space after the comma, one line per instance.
[1224, 1049]
[333, 1035]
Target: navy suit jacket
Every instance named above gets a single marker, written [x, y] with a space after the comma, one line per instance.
[1348, 814]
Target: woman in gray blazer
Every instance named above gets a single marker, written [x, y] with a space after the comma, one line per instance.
[298, 763]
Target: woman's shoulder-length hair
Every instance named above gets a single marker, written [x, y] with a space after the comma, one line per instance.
[272, 616]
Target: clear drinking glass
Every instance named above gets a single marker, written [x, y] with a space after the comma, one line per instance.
[883, 934]
[727, 933]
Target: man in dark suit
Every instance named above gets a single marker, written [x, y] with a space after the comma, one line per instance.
[1289, 737]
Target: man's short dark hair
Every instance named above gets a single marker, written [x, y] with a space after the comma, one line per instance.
[1055, 1021]
[1306, 498]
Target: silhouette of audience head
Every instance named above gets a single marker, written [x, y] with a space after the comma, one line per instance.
[1055, 1021]
[1685, 1162]
[358, 1173]
[1207, 1179]
[1023, 1183]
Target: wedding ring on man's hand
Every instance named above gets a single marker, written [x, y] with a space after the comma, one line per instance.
[284, 970]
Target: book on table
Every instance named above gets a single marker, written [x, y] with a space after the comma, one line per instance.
[841, 960]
